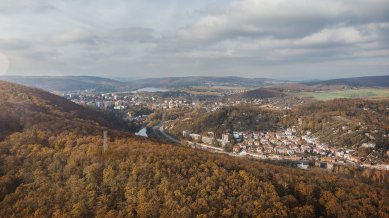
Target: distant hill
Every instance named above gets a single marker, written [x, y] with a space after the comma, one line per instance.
[259, 93]
[179, 82]
[68, 83]
[52, 165]
[367, 81]
[73, 83]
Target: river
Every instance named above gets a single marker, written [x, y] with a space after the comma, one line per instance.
[150, 89]
[142, 132]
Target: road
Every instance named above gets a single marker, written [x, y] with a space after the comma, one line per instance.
[159, 133]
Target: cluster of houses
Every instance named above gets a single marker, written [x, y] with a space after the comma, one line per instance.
[122, 101]
[102, 101]
[282, 145]
[209, 139]
[176, 103]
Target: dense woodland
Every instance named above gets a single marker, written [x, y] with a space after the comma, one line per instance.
[258, 93]
[237, 118]
[23, 108]
[53, 165]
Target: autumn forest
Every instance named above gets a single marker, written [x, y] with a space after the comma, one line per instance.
[52, 165]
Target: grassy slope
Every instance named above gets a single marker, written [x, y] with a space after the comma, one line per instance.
[369, 93]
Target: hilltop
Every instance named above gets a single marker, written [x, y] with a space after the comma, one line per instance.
[25, 108]
[52, 164]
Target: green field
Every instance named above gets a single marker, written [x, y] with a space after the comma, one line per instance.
[353, 93]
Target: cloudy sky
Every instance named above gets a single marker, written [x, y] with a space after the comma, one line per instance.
[291, 39]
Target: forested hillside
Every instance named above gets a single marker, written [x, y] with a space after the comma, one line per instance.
[52, 165]
[25, 108]
[341, 122]
[237, 118]
[260, 93]
[345, 122]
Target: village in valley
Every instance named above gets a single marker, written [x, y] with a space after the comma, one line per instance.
[293, 144]
[280, 145]
[232, 108]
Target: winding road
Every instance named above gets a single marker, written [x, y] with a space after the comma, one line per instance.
[159, 133]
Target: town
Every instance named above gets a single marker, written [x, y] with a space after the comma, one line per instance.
[281, 145]
[289, 144]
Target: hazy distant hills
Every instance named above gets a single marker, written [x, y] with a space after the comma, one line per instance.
[67, 83]
[366, 81]
[74, 83]
[179, 82]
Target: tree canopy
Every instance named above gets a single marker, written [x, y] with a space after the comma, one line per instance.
[54, 166]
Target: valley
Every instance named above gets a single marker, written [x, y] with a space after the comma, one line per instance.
[53, 149]
[194, 109]
[280, 122]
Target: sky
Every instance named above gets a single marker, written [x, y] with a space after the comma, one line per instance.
[286, 39]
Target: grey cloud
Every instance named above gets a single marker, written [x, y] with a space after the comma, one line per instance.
[277, 19]
[192, 38]
[20, 6]
[338, 26]
[134, 34]
[13, 44]
[74, 36]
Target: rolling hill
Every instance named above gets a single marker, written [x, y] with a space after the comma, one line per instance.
[260, 93]
[76, 83]
[52, 165]
[68, 83]
[192, 81]
[367, 81]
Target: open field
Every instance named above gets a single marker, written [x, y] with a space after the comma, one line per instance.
[353, 93]
[213, 90]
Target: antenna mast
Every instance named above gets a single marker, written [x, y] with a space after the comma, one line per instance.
[105, 145]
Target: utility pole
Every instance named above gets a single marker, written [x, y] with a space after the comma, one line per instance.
[105, 145]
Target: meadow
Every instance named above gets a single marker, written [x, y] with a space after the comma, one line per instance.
[370, 93]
